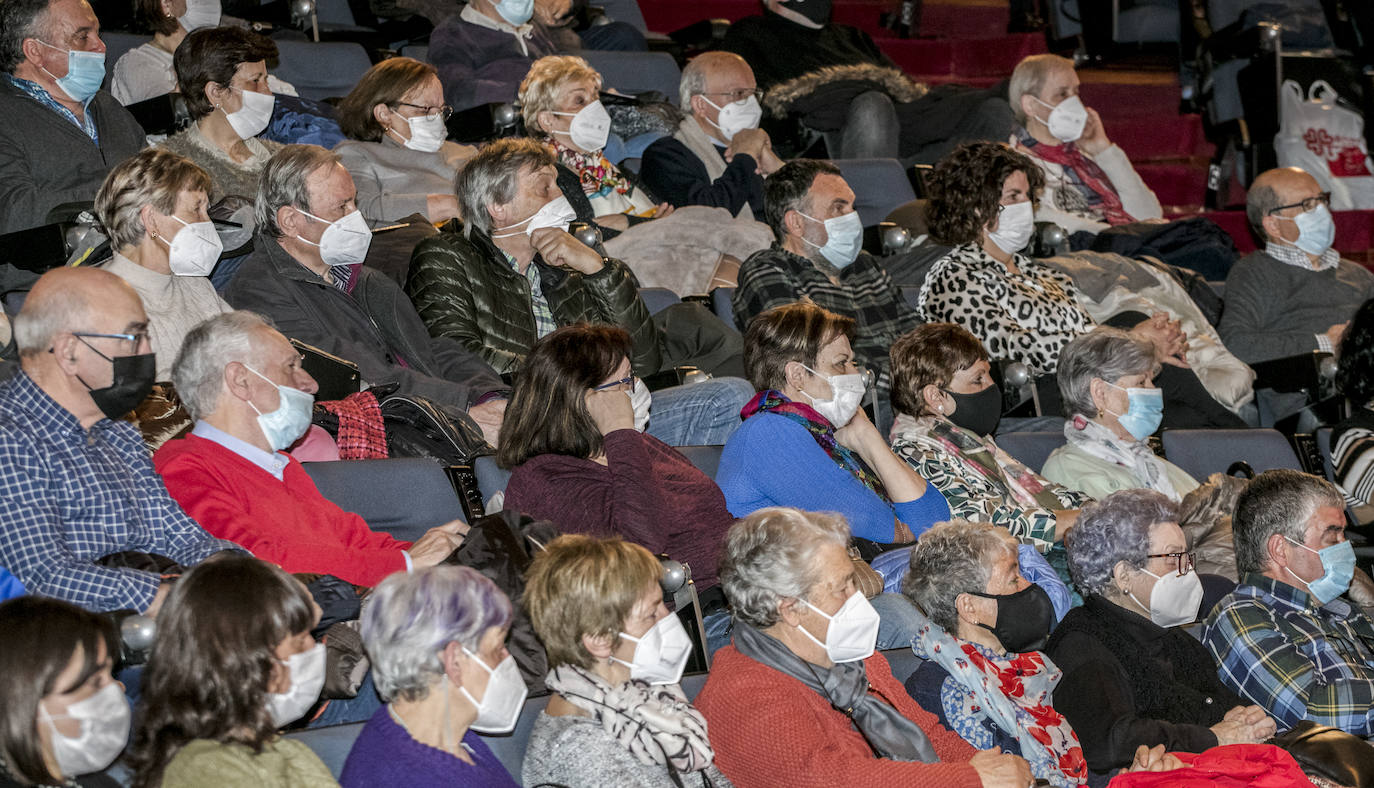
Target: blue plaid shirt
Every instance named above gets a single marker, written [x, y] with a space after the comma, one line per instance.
[1299, 660]
[36, 92]
[69, 496]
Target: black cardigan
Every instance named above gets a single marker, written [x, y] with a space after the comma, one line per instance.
[1128, 682]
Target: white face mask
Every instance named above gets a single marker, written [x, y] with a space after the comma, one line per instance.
[641, 399]
[661, 653]
[307, 679]
[846, 394]
[1174, 600]
[853, 632]
[557, 212]
[104, 719]
[590, 127]
[344, 242]
[253, 116]
[427, 133]
[1067, 119]
[844, 237]
[199, 14]
[736, 116]
[1015, 225]
[499, 708]
[195, 248]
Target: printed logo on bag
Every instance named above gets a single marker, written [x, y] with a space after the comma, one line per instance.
[1344, 156]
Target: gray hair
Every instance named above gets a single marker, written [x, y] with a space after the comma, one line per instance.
[693, 83]
[1109, 354]
[282, 182]
[41, 320]
[1112, 530]
[412, 616]
[950, 559]
[153, 176]
[1259, 202]
[491, 177]
[1282, 502]
[1029, 77]
[198, 372]
[20, 19]
[770, 556]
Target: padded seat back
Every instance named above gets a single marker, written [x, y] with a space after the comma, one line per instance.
[327, 69]
[637, 72]
[880, 186]
[116, 44]
[1031, 448]
[403, 496]
[1202, 453]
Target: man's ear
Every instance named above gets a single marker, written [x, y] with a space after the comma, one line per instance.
[794, 223]
[290, 220]
[236, 380]
[33, 51]
[64, 350]
[1276, 550]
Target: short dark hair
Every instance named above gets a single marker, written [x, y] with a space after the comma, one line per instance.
[548, 413]
[966, 189]
[491, 177]
[926, 355]
[1355, 376]
[41, 636]
[792, 332]
[213, 54]
[150, 15]
[385, 83]
[786, 189]
[1280, 501]
[19, 19]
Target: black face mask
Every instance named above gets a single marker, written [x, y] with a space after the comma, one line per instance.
[817, 11]
[978, 413]
[1024, 619]
[133, 379]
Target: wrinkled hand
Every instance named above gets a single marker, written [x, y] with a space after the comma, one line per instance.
[611, 410]
[489, 416]
[1167, 337]
[750, 141]
[552, 13]
[1001, 770]
[1245, 725]
[859, 434]
[559, 248]
[1094, 139]
[664, 209]
[1153, 759]
[437, 544]
[770, 163]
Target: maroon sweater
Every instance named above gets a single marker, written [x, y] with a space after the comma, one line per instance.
[647, 493]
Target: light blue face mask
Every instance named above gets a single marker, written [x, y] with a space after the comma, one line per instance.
[85, 72]
[844, 238]
[1145, 412]
[516, 12]
[290, 420]
[1316, 230]
[1338, 565]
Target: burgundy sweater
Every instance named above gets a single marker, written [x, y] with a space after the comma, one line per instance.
[647, 493]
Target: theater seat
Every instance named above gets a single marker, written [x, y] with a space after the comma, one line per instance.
[880, 186]
[331, 743]
[403, 496]
[904, 662]
[1031, 448]
[116, 44]
[637, 72]
[1202, 453]
[328, 69]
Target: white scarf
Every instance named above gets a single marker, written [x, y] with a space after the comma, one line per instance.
[1135, 456]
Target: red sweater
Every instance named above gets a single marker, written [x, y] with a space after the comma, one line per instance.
[647, 493]
[285, 522]
[768, 729]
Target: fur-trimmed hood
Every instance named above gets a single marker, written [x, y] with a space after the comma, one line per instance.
[781, 98]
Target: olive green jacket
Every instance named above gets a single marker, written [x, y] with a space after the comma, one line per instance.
[463, 288]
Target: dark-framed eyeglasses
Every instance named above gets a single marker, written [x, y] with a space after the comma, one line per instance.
[628, 382]
[733, 96]
[1307, 204]
[1185, 560]
[445, 111]
[135, 340]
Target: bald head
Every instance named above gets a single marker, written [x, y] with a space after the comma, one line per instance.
[1275, 188]
[75, 299]
[714, 72]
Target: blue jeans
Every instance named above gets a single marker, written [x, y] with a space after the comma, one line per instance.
[698, 414]
[356, 709]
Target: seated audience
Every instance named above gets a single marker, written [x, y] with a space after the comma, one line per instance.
[984, 675]
[840, 83]
[1106, 380]
[306, 275]
[948, 407]
[617, 715]
[64, 714]
[1132, 677]
[807, 442]
[1296, 295]
[1089, 183]
[817, 255]
[1353, 439]
[484, 51]
[233, 662]
[233, 475]
[982, 201]
[801, 698]
[79, 485]
[154, 209]
[62, 133]
[146, 71]
[1285, 638]
[718, 156]
[512, 273]
[436, 638]
[222, 73]
[573, 435]
[397, 148]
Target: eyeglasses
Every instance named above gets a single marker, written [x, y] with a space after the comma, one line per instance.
[1185, 560]
[135, 340]
[445, 111]
[738, 95]
[628, 383]
[1307, 204]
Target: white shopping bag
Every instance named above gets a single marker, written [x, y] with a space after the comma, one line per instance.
[1327, 140]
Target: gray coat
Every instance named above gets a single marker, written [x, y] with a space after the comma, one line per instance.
[45, 160]
[373, 326]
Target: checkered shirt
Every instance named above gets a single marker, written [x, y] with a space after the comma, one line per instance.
[36, 92]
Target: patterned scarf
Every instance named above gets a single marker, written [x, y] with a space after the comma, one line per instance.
[656, 724]
[981, 457]
[362, 431]
[771, 401]
[1012, 690]
[1136, 457]
[1082, 175]
[598, 176]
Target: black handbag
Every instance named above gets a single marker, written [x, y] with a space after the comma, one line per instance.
[1331, 753]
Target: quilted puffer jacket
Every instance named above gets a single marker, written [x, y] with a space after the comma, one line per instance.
[463, 288]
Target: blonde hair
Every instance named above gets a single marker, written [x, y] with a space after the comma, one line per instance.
[1029, 78]
[546, 80]
[153, 176]
[581, 586]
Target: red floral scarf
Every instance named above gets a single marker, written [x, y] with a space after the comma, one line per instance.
[598, 176]
[1083, 175]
